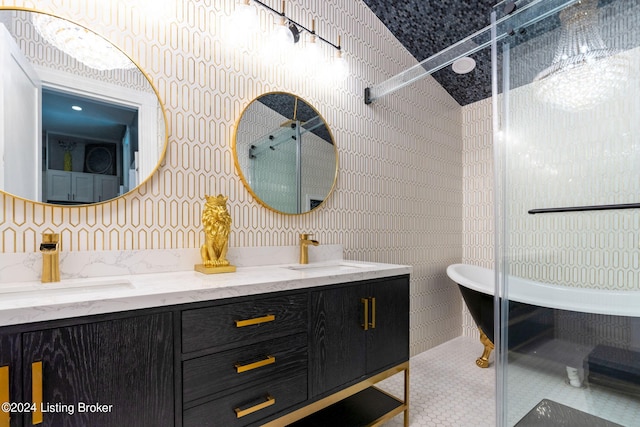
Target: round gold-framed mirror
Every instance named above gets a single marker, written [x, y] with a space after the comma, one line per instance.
[83, 123]
[285, 153]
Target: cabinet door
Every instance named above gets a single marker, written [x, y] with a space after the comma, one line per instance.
[82, 187]
[125, 366]
[337, 338]
[10, 370]
[388, 340]
[105, 187]
[58, 185]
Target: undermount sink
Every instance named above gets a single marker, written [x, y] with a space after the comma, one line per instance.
[74, 286]
[339, 266]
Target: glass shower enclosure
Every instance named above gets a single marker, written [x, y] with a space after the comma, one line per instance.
[567, 158]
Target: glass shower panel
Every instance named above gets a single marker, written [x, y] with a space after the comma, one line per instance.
[568, 186]
[274, 170]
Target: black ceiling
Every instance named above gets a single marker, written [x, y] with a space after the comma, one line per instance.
[425, 27]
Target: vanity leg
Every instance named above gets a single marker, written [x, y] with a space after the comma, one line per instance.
[406, 397]
[483, 361]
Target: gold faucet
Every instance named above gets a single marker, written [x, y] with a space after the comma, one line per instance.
[50, 248]
[304, 247]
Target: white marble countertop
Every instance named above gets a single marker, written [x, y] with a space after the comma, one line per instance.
[32, 301]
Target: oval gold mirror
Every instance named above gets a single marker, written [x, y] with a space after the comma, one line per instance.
[82, 122]
[285, 153]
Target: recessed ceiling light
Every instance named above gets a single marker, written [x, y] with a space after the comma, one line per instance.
[76, 107]
[463, 65]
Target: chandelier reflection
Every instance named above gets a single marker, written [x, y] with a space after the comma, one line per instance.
[79, 43]
[584, 72]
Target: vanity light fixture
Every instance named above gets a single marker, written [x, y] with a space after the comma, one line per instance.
[79, 43]
[289, 32]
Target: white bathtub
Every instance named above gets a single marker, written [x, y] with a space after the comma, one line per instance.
[598, 301]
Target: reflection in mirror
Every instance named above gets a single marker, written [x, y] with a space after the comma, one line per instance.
[77, 129]
[285, 153]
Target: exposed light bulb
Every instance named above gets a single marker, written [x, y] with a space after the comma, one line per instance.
[281, 42]
[283, 36]
[242, 25]
[340, 67]
[313, 54]
[246, 16]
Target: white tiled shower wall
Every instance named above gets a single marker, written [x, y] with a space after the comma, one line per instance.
[397, 197]
[478, 193]
[561, 159]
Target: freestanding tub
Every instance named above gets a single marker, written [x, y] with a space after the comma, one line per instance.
[528, 324]
[531, 306]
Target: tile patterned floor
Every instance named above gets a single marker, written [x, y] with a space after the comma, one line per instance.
[448, 390]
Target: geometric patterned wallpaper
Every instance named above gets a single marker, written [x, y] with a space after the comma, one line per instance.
[478, 193]
[398, 196]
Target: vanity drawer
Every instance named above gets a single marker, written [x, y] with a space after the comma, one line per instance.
[248, 406]
[225, 370]
[230, 325]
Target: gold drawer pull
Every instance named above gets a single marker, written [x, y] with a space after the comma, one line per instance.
[242, 412]
[5, 416]
[36, 392]
[365, 303]
[255, 321]
[243, 368]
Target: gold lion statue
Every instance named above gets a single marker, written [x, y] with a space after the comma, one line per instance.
[217, 225]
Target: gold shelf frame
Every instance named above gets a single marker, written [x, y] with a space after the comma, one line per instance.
[350, 391]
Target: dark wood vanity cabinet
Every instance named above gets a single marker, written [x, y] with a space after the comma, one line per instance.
[244, 361]
[104, 373]
[357, 330]
[238, 362]
[10, 370]
[299, 347]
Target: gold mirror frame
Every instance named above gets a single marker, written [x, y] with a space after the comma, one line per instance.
[271, 129]
[161, 142]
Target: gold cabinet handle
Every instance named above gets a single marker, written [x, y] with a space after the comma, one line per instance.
[5, 416]
[243, 412]
[36, 392]
[264, 362]
[255, 321]
[365, 303]
[373, 312]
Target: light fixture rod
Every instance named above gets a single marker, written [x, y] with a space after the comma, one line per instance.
[297, 24]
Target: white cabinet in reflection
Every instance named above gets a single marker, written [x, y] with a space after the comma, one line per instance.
[71, 187]
[105, 187]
